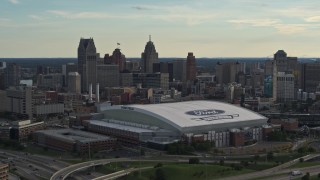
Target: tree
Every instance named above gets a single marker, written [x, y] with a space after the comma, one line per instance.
[158, 165]
[306, 177]
[301, 160]
[221, 162]
[160, 174]
[270, 155]
[142, 152]
[194, 161]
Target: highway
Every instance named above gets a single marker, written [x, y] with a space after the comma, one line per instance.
[275, 170]
[65, 172]
[120, 173]
[31, 167]
[314, 170]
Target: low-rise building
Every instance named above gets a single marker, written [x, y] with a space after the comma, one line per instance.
[4, 171]
[74, 140]
[21, 130]
[44, 109]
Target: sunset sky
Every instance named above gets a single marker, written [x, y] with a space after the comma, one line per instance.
[209, 28]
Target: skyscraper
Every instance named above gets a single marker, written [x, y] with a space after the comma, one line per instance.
[282, 63]
[87, 63]
[13, 74]
[191, 67]
[74, 82]
[149, 56]
[119, 58]
[66, 69]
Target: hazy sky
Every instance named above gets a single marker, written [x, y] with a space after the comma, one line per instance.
[209, 28]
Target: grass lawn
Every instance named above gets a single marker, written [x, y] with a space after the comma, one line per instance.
[260, 167]
[268, 177]
[113, 167]
[189, 172]
[304, 164]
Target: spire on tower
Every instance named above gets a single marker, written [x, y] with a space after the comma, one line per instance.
[149, 37]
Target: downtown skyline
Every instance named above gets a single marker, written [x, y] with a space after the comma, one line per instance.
[241, 28]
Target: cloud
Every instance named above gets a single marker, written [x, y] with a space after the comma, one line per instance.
[255, 22]
[276, 24]
[14, 1]
[189, 19]
[291, 28]
[313, 19]
[89, 15]
[182, 13]
[172, 14]
[140, 8]
[35, 17]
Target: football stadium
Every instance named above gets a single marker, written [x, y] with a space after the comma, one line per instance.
[188, 116]
[210, 120]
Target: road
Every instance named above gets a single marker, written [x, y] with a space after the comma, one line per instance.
[65, 172]
[120, 173]
[31, 167]
[275, 170]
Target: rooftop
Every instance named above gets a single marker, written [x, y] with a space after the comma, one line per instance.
[196, 113]
[73, 135]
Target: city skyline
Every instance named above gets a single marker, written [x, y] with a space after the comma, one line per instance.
[242, 28]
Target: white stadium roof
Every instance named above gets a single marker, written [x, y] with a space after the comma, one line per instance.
[192, 116]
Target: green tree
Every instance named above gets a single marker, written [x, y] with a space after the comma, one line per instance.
[306, 177]
[194, 161]
[221, 162]
[270, 155]
[159, 174]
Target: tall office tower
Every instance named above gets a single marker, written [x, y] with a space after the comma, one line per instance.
[149, 56]
[74, 84]
[164, 67]
[133, 65]
[108, 75]
[285, 87]
[126, 79]
[228, 72]
[310, 76]
[151, 80]
[285, 63]
[119, 59]
[3, 67]
[50, 81]
[268, 68]
[191, 67]
[235, 69]
[40, 69]
[87, 63]
[13, 74]
[66, 69]
[282, 63]
[179, 70]
[20, 101]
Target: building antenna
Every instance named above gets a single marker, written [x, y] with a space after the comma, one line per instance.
[149, 37]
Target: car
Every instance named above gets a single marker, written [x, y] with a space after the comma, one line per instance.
[296, 173]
